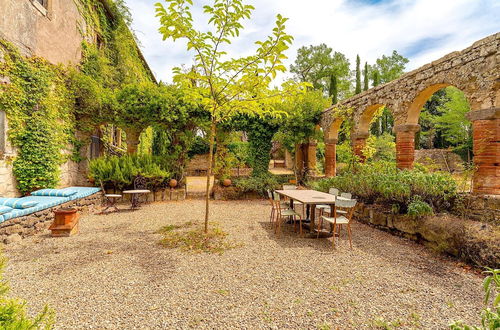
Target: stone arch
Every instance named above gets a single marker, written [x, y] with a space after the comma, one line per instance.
[361, 131]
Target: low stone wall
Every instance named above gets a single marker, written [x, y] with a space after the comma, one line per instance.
[483, 208]
[472, 241]
[439, 159]
[13, 230]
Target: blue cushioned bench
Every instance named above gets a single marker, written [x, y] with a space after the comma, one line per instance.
[46, 202]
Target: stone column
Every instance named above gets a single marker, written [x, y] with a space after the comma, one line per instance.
[486, 147]
[330, 157]
[299, 158]
[405, 145]
[132, 137]
[358, 144]
[311, 157]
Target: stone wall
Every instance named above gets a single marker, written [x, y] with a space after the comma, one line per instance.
[51, 33]
[440, 159]
[472, 241]
[483, 208]
[13, 230]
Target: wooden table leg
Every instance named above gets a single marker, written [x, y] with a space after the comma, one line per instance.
[312, 216]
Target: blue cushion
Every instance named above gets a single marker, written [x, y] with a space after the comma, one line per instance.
[82, 192]
[44, 202]
[5, 209]
[54, 192]
[17, 203]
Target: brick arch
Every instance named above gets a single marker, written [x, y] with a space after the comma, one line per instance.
[475, 71]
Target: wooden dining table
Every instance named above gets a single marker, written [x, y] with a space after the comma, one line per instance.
[311, 198]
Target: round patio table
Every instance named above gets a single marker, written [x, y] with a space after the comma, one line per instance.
[134, 199]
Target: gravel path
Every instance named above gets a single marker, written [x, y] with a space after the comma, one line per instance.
[115, 275]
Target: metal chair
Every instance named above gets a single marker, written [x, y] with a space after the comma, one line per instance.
[295, 203]
[347, 205]
[282, 214]
[323, 208]
[109, 199]
[346, 195]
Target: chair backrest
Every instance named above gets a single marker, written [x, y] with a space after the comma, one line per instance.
[289, 187]
[347, 205]
[333, 191]
[140, 182]
[346, 195]
[270, 197]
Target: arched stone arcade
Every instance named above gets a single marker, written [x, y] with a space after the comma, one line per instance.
[474, 70]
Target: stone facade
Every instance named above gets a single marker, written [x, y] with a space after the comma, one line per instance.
[15, 229]
[474, 70]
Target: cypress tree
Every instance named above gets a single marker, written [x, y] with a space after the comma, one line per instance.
[365, 87]
[333, 92]
[376, 78]
[358, 76]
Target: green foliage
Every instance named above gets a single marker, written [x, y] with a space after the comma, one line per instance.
[382, 182]
[196, 240]
[490, 315]
[121, 171]
[419, 208]
[317, 64]
[333, 90]
[13, 314]
[444, 122]
[388, 68]
[258, 184]
[140, 105]
[39, 107]
[200, 146]
[365, 77]
[383, 146]
[357, 90]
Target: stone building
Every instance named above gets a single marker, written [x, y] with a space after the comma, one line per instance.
[474, 70]
[53, 30]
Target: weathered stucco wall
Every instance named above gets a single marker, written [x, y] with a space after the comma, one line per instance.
[52, 34]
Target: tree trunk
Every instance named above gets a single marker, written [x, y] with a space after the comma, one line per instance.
[209, 172]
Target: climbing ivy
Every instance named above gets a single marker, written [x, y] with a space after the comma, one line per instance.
[46, 104]
[39, 107]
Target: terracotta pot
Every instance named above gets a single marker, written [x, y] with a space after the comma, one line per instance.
[64, 216]
[172, 183]
[91, 181]
[226, 182]
[292, 181]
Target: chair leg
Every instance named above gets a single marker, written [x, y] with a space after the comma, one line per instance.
[349, 234]
[320, 224]
[334, 230]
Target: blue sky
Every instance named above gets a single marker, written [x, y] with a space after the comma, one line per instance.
[422, 30]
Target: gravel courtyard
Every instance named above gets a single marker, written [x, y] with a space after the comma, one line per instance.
[115, 275]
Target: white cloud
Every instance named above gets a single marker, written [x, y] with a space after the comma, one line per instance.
[422, 30]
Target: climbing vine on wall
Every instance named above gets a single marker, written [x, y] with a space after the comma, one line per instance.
[39, 109]
[46, 104]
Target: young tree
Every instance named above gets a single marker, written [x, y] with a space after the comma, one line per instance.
[358, 76]
[225, 86]
[365, 77]
[333, 90]
[390, 67]
[315, 64]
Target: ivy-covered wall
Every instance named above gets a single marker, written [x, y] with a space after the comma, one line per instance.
[52, 109]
